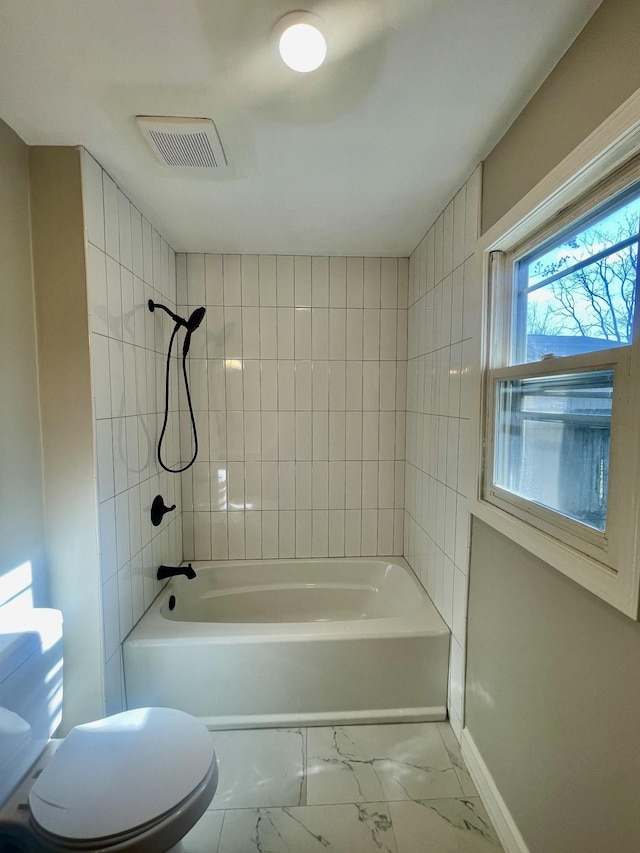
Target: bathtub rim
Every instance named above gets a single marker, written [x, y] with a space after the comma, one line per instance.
[156, 629]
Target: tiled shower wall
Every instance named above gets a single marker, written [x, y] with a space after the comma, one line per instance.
[128, 263]
[442, 334]
[299, 386]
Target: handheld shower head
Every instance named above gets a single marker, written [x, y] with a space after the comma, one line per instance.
[192, 324]
[195, 319]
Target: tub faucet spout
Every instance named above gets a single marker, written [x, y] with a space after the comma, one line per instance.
[171, 571]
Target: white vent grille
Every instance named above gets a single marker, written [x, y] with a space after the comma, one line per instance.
[191, 143]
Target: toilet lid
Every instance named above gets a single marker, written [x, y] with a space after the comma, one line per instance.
[116, 774]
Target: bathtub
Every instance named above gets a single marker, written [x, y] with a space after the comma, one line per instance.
[292, 643]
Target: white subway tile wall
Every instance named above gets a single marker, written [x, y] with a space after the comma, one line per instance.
[298, 381]
[129, 263]
[442, 336]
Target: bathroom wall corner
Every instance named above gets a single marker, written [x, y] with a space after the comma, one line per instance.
[67, 422]
[22, 536]
[128, 264]
[443, 329]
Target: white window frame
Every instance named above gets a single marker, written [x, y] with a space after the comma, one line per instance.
[605, 563]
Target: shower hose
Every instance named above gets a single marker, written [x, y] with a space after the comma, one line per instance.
[185, 350]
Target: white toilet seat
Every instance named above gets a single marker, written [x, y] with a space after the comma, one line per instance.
[162, 835]
[118, 781]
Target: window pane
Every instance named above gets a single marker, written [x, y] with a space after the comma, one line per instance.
[552, 442]
[579, 294]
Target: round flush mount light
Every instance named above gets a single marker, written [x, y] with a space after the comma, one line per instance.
[300, 41]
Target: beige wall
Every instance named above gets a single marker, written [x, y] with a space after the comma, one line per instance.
[553, 701]
[21, 510]
[67, 422]
[553, 695]
[46, 424]
[595, 76]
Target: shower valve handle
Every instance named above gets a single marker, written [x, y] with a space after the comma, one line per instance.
[158, 509]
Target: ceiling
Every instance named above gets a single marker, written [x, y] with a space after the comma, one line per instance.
[356, 158]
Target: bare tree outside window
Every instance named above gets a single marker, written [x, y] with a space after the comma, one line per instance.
[543, 320]
[586, 287]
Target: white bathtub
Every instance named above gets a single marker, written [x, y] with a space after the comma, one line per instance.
[292, 642]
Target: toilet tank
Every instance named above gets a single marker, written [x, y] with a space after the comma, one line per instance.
[30, 689]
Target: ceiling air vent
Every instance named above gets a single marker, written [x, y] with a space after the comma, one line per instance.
[191, 143]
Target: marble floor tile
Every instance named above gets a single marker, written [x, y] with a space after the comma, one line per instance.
[453, 749]
[205, 835]
[364, 828]
[355, 764]
[445, 826]
[260, 767]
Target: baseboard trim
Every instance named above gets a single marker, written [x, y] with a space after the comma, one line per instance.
[430, 713]
[501, 818]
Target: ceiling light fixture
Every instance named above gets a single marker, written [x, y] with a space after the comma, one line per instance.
[300, 41]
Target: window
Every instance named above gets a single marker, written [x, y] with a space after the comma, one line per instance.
[557, 401]
[557, 428]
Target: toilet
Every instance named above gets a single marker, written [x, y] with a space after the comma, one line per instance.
[134, 782]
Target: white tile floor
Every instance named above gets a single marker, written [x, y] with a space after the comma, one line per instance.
[397, 788]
